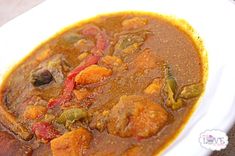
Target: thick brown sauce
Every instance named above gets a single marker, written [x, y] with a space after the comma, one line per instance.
[175, 46]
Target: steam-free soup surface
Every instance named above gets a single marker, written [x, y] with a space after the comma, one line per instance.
[118, 84]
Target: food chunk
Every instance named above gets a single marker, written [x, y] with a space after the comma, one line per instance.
[177, 104]
[136, 116]
[31, 101]
[127, 40]
[170, 87]
[83, 55]
[41, 77]
[48, 118]
[154, 87]
[129, 43]
[51, 71]
[134, 23]
[146, 60]
[69, 81]
[191, 91]
[72, 143]
[11, 122]
[99, 119]
[71, 37]
[112, 60]
[170, 90]
[34, 111]
[44, 131]
[84, 45]
[90, 30]
[81, 94]
[92, 74]
[71, 115]
[43, 55]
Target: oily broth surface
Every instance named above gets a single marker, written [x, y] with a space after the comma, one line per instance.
[175, 45]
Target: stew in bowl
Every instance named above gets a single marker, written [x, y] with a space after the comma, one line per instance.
[117, 84]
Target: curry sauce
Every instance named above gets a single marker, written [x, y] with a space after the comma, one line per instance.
[117, 84]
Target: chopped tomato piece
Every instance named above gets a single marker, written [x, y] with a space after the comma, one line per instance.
[72, 143]
[44, 131]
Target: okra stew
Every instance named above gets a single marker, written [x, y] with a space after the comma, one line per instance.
[120, 84]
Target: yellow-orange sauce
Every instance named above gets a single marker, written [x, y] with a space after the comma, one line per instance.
[173, 40]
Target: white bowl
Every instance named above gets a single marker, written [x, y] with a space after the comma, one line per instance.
[213, 20]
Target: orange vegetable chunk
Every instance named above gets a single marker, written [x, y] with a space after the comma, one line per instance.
[72, 143]
[92, 74]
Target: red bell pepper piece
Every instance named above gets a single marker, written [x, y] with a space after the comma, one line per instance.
[66, 96]
[90, 30]
[101, 41]
[69, 82]
[101, 38]
[98, 50]
[44, 131]
[89, 61]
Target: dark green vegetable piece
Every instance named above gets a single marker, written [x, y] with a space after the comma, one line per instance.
[171, 102]
[41, 77]
[71, 115]
[170, 95]
[170, 80]
[128, 40]
[170, 89]
[191, 91]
